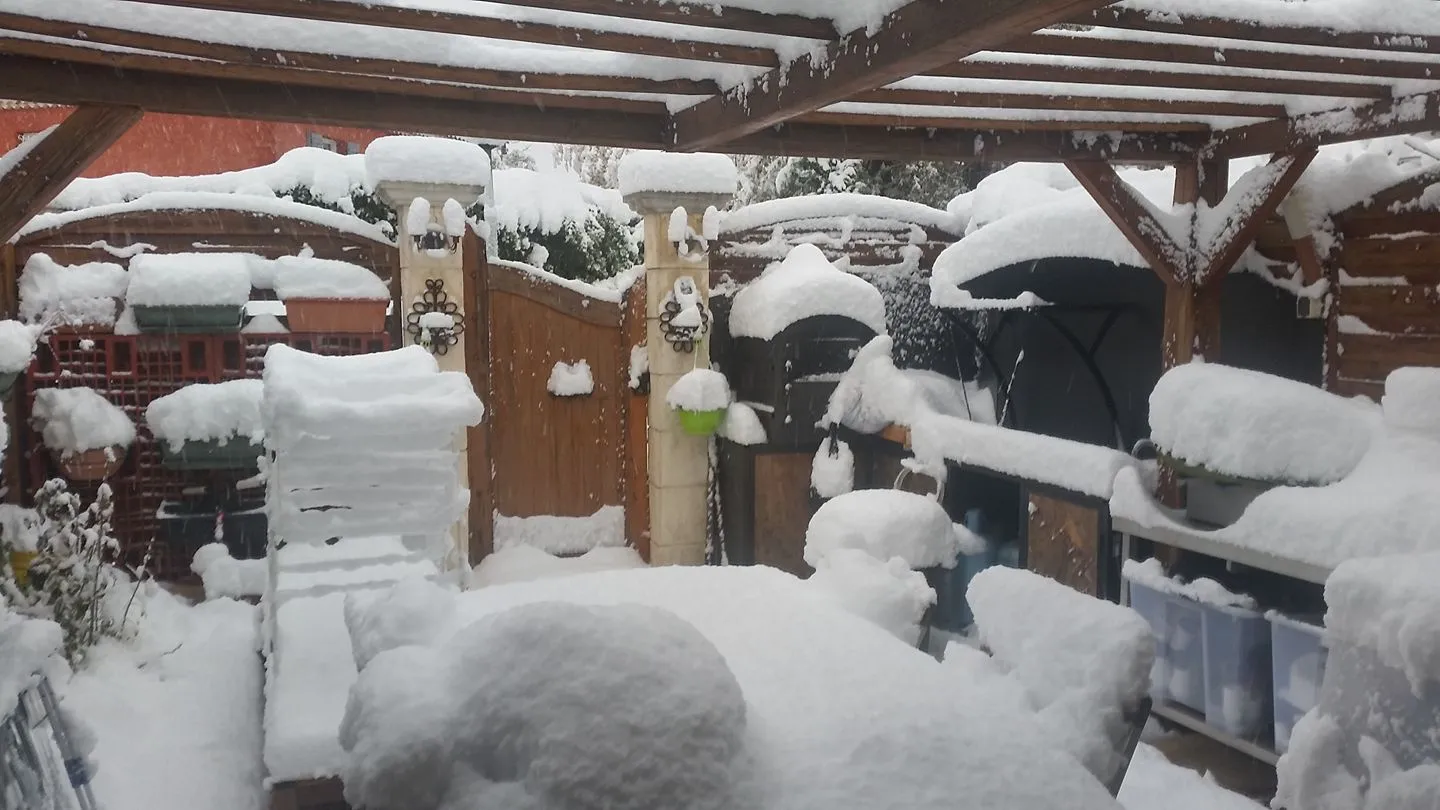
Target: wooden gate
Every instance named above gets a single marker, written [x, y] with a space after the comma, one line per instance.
[537, 453]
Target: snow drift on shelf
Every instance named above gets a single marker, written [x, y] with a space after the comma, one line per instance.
[71, 295]
[73, 420]
[804, 285]
[189, 279]
[1390, 605]
[693, 173]
[1151, 574]
[202, 412]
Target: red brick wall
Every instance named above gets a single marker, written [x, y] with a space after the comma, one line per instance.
[184, 145]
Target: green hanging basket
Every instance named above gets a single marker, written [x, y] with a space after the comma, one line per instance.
[701, 423]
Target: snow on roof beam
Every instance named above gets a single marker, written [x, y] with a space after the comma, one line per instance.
[60, 157]
[1039, 101]
[413, 19]
[1148, 77]
[1398, 116]
[703, 15]
[1139, 19]
[922, 35]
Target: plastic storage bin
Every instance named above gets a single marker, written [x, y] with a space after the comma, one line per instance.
[1151, 605]
[1297, 653]
[1179, 671]
[1237, 670]
[951, 611]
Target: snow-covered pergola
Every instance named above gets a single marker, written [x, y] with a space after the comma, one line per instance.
[1191, 83]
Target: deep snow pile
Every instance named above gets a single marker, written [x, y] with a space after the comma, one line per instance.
[1390, 605]
[1258, 426]
[559, 534]
[886, 592]
[309, 277]
[696, 173]
[17, 345]
[884, 523]
[73, 420]
[188, 279]
[175, 709]
[1082, 661]
[71, 295]
[208, 412]
[532, 707]
[859, 721]
[804, 285]
[421, 159]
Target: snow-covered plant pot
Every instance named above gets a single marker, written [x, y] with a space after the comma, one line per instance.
[699, 399]
[17, 349]
[83, 298]
[209, 427]
[188, 292]
[87, 435]
[327, 296]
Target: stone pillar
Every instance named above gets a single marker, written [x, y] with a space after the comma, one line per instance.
[679, 462]
[433, 278]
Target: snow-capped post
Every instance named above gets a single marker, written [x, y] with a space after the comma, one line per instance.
[431, 182]
[677, 311]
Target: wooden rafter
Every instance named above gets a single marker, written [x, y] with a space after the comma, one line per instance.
[702, 15]
[57, 159]
[1200, 25]
[399, 17]
[1405, 191]
[1155, 76]
[85, 34]
[1040, 101]
[1240, 56]
[983, 121]
[1135, 218]
[984, 146]
[922, 35]
[1398, 116]
[1250, 214]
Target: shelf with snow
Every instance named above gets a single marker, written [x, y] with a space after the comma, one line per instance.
[700, 398]
[87, 435]
[17, 349]
[85, 297]
[209, 426]
[330, 296]
[189, 292]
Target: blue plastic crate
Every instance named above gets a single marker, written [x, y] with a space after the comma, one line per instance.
[1297, 653]
[1184, 653]
[952, 611]
[1237, 670]
[1151, 605]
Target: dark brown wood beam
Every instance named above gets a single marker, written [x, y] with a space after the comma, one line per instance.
[698, 14]
[1252, 212]
[914, 39]
[61, 82]
[57, 159]
[1156, 77]
[1199, 25]
[1403, 192]
[973, 146]
[1132, 214]
[1398, 116]
[302, 60]
[980, 122]
[1098, 47]
[398, 17]
[286, 76]
[1038, 101]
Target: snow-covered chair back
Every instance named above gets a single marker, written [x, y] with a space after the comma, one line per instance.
[1084, 663]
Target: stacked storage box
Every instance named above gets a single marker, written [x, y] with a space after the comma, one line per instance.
[1298, 653]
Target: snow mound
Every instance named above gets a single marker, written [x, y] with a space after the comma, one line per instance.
[1390, 605]
[1258, 426]
[873, 394]
[700, 389]
[549, 705]
[421, 159]
[1412, 401]
[409, 613]
[742, 425]
[225, 577]
[571, 379]
[189, 279]
[17, 345]
[887, 593]
[73, 420]
[27, 647]
[884, 523]
[78, 295]
[1081, 660]
[523, 563]
[557, 534]
[205, 412]
[694, 173]
[832, 473]
[804, 285]
[309, 277]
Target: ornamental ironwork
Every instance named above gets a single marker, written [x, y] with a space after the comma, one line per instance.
[422, 327]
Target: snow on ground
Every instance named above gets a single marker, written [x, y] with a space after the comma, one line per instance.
[176, 711]
[558, 534]
[1154, 783]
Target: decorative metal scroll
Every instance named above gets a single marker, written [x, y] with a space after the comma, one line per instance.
[438, 339]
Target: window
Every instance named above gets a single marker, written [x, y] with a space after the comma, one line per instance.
[319, 141]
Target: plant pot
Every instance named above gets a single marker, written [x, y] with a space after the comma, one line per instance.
[336, 315]
[236, 454]
[701, 423]
[92, 465]
[204, 318]
[20, 564]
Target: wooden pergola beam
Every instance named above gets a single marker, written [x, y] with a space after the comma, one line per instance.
[697, 14]
[1099, 47]
[1202, 25]
[89, 35]
[964, 145]
[917, 37]
[1397, 116]
[58, 158]
[981, 122]
[414, 19]
[1250, 213]
[1149, 77]
[1040, 101]
[1135, 218]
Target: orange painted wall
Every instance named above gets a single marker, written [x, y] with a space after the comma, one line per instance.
[182, 144]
